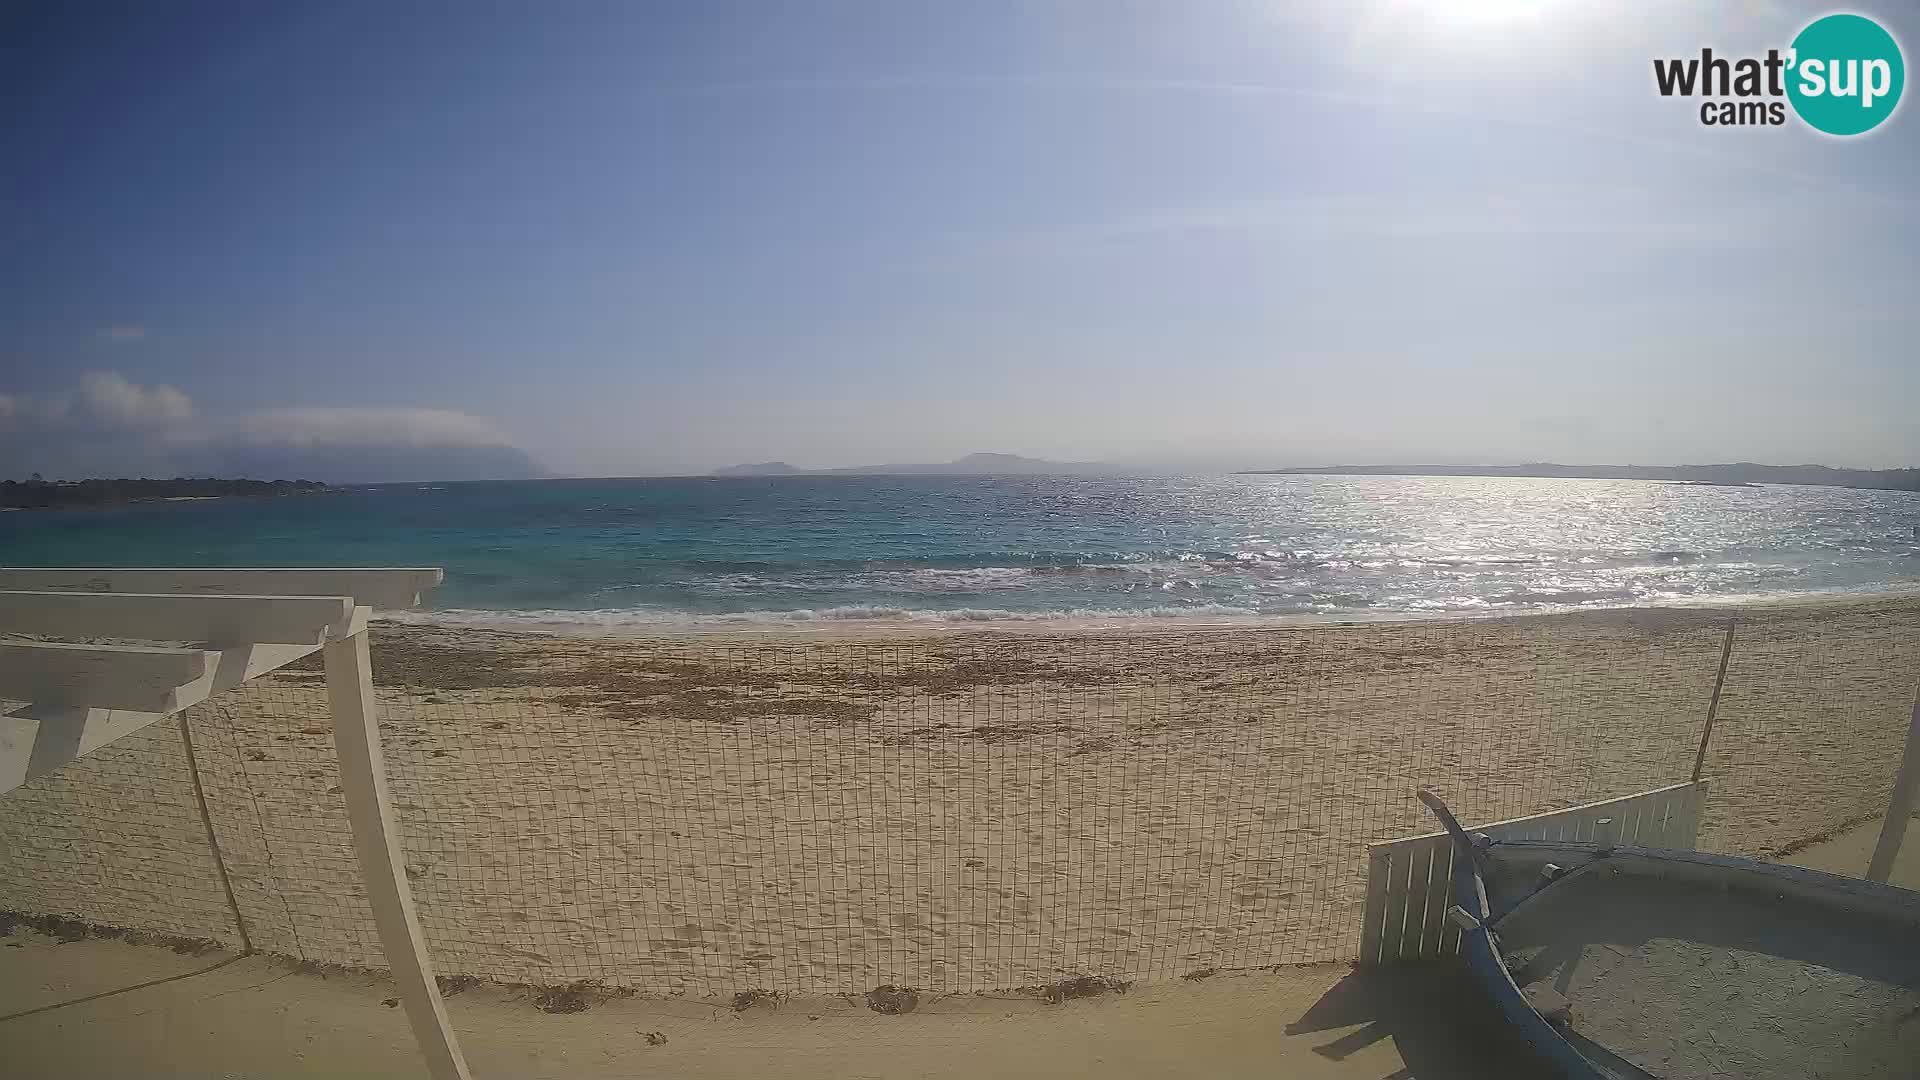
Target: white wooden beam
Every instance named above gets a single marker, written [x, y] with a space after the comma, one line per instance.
[1900, 806]
[390, 587]
[63, 733]
[244, 663]
[1525, 826]
[37, 739]
[213, 619]
[17, 736]
[139, 678]
[376, 839]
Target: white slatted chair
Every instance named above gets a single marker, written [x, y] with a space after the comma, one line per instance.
[238, 625]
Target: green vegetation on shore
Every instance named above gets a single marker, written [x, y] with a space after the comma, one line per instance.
[37, 494]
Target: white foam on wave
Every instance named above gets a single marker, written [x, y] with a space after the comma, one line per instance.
[982, 578]
[630, 620]
[924, 579]
[615, 621]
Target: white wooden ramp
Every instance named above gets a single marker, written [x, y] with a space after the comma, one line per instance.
[100, 653]
[1409, 880]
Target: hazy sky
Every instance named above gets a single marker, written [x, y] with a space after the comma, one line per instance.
[648, 237]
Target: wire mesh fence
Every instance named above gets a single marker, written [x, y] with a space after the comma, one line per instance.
[116, 838]
[950, 812]
[1811, 724]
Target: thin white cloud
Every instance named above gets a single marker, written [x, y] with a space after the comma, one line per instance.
[103, 401]
[110, 400]
[109, 425]
[1623, 215]
[390, 426]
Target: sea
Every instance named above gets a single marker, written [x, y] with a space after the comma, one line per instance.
[797, 552]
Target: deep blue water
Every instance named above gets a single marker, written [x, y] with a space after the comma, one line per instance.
[779, 550]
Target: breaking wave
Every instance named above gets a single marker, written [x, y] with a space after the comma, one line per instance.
[637, 620]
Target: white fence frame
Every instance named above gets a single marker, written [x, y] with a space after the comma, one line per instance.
[1900, 804]
[1409, 880]
[242, 623]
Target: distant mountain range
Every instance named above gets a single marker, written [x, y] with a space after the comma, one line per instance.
[1740, 473]
[971, 465]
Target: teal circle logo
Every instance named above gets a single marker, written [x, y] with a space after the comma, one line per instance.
[1845, 74]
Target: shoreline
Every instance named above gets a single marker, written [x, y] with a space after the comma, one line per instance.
[518, 622]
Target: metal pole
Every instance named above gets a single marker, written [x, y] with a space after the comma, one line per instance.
[1713, 704]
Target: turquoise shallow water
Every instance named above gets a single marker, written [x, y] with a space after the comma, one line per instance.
[788, 550]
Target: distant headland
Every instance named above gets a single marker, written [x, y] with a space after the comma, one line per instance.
[39, 494]
[1738, 474]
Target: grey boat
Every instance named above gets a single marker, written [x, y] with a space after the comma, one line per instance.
[1620, 963]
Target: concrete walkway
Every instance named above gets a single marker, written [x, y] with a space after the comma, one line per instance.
[1849, 852]
[104, 1008]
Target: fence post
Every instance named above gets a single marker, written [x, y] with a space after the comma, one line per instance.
[363, 780]
[1713, 703]
[1375, 912]
[1906, 785]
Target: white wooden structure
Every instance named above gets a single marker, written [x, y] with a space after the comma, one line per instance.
[181, 635]
[1901, 804]
[1409, 880]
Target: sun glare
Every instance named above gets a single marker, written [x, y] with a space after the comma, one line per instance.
[1484, 11]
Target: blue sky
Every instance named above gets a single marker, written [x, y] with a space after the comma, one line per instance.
[640, 237]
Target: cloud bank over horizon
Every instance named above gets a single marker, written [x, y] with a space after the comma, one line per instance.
[109, 426]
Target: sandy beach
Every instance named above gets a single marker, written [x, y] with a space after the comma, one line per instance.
[951, 811]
